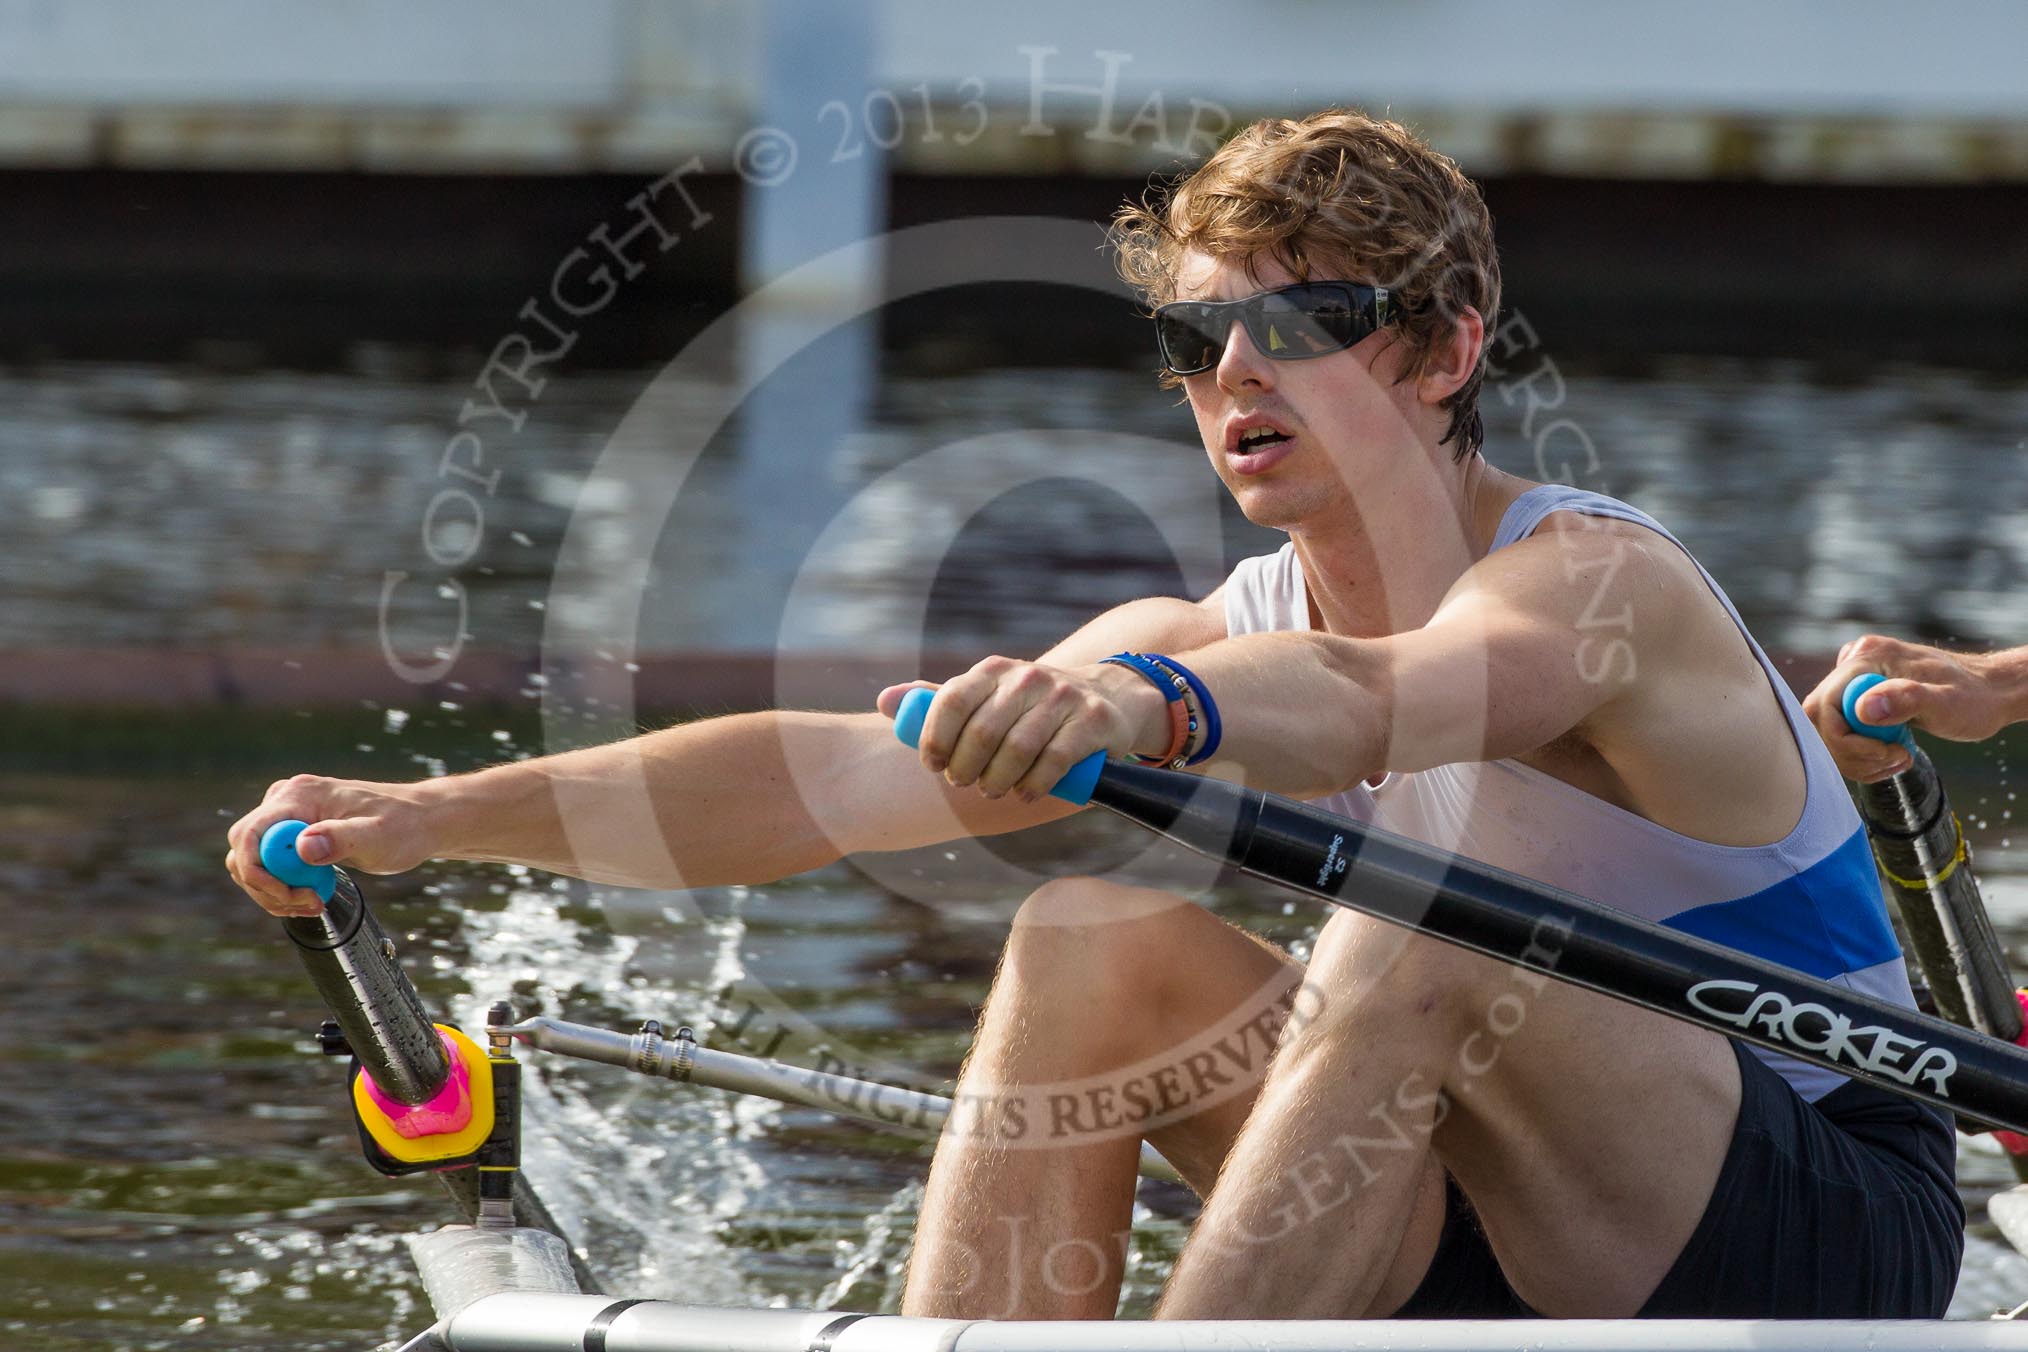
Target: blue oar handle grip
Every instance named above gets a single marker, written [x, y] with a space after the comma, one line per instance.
[1879, 732]
[279, 857]
[1074, 787]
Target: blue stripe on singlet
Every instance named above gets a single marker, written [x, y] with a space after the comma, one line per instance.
[1827, 920]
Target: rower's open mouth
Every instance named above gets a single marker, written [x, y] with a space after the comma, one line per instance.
[1259, 438]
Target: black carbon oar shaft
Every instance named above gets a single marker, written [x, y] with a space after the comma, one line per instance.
[351, 961]
[1925, 863]
[1578, 941]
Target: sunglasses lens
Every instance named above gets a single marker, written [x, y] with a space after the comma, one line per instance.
[1304, 321]
[1189, 336]
[1287, 324]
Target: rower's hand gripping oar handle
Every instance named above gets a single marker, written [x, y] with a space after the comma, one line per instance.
[1879, 732]
[279, 857]
[1074, 787]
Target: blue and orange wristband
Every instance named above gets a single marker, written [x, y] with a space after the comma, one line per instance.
[1194, 724]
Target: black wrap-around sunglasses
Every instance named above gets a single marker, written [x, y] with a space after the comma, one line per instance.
[1289, 323]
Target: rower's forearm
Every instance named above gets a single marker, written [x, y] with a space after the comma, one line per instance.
[1303, 715]
[697, 805]
[2009, 675]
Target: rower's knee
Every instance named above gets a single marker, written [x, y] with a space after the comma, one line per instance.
[1089, 934]
[1100, 953]
[1386, 981]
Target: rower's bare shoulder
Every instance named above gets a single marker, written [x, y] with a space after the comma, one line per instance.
[1583, 544]
[1690, 738]
[1592, 573]
[1638, 596]
[1624, 608]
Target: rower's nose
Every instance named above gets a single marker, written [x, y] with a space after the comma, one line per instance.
[1241, 366]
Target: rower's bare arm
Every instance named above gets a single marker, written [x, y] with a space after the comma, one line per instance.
[1586, 631]
[1538, 640]
[746, 798]
[1964, 697]
[2010, 670]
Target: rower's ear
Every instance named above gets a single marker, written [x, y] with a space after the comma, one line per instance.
[1452, 360]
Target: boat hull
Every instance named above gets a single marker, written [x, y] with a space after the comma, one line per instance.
[519, 1322]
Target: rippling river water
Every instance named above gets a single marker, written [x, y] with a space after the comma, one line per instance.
[174, 1168]
[189, 508]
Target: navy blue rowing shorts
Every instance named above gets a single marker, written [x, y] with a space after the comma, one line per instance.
[1846, 1208]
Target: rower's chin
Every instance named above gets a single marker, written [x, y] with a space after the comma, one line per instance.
[1273, 501]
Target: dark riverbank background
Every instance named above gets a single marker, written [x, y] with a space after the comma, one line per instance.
[297, 269]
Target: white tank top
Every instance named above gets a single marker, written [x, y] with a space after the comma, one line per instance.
[1811, 900]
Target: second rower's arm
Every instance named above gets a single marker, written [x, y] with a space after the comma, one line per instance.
[1963, 697]
[746, 798]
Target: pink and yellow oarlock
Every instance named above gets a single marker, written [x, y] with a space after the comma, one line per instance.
[447, 1129]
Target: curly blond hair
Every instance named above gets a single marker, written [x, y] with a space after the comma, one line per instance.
[1340, 195]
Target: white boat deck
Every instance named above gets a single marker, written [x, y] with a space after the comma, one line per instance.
[543, 1323]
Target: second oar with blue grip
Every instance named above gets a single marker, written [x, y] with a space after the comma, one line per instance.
[1531, 924]
[1920, 847]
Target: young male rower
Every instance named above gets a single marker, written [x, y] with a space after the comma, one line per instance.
[1963, 697]
[1534, 676]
